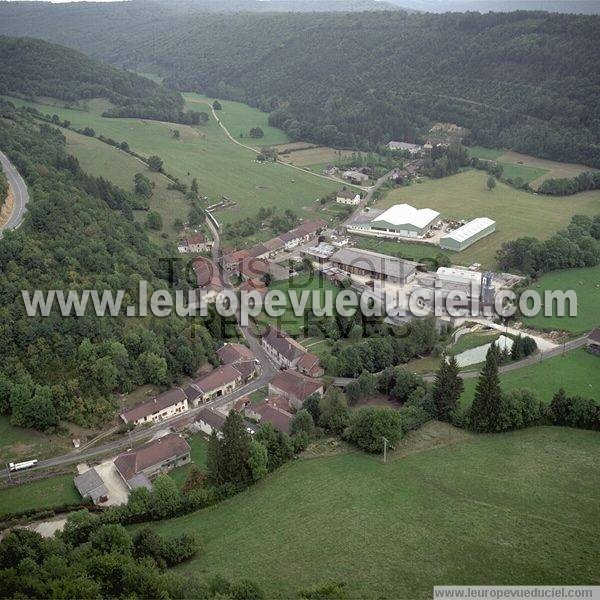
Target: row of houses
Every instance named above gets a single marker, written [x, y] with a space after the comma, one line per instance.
[238, 367]
[271, 248]
[287, 353]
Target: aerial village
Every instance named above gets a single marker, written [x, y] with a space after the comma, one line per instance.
[279, 368]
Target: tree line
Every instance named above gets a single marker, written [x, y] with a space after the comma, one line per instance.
[519, 80]
[576, 246]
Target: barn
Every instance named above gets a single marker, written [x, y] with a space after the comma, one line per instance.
[404, 220]
[468, 234]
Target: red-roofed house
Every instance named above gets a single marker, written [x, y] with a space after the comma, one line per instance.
[163, 406]
[294, 387]
[195, 243]
[289, 354]
[219, 382]
[136, 467]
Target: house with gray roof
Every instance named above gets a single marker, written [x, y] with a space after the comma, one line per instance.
[91, 485]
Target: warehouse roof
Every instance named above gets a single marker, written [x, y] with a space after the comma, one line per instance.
[405, 214]
[374, 262]
[468, 230]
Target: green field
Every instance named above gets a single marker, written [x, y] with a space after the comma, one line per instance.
[204, 152]
[239, 118]
[517, 213]
[473, 340]
[44, 493]
[408, 250]
[586, 284]
[577, 371]
[289, 322]
[18, 444]
[100, 159]
[198, 445]
[527, 174]
[500, 509]
[484, 153]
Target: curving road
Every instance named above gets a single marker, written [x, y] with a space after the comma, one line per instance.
[20, 193]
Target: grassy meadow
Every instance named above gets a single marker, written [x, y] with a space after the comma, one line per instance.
[517, 213]
[586, 284]
[17, 444]
[100, 159]
[499, 509]
[40, 494]
[239, 118]
[221, 167]
[291, 323]
[577, 371]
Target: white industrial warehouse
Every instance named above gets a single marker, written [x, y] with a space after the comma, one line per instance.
[400, 220]
[468, 234]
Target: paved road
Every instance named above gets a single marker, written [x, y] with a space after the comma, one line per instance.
[20, 192]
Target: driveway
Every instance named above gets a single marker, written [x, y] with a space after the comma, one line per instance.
[117, 490]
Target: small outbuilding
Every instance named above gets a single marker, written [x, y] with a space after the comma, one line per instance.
[91, 485]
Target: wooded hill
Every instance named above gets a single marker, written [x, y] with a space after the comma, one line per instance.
[31, 67]
[527, 81]
[78, 234]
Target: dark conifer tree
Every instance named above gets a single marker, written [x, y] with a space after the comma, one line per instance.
[447, 389]
[485, 410]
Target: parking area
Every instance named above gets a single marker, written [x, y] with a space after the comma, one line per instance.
[117, 490]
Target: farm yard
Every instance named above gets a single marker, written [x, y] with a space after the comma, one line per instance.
[221, 167]
[441, 506]
[517, 213]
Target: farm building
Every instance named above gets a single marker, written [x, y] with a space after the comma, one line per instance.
[347, 197]
[374, 265]
[355, 176]
[468, 234]
[91, 485]
[136, 467]
[400, 220]
[404, 146]
[163, 406]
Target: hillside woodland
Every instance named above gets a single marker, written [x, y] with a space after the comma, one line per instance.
[31, 68]
[79, 235]
[523, 80]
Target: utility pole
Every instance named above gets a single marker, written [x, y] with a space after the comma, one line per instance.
[385, 443]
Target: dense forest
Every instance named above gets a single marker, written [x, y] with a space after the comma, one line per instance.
[78, 234]
[30, 68]
[522, 80]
